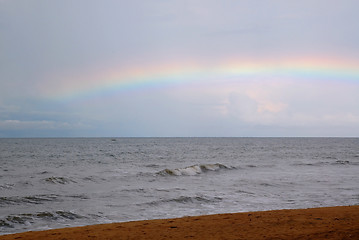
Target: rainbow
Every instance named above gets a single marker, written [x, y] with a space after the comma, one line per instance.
[118, 80]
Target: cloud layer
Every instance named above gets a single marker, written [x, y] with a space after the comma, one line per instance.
[69, 68]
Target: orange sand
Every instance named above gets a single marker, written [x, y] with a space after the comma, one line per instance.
[316, 223]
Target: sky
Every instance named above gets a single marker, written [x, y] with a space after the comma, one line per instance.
[179, 68]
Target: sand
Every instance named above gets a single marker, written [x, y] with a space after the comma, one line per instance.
[315, 223]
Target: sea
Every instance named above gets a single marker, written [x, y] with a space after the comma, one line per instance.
[65, 182]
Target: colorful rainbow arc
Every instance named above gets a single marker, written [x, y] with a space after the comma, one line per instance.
[181, 75]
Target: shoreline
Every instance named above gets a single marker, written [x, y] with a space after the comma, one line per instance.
[341, 222]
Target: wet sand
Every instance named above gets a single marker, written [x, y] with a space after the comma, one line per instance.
[315, 223]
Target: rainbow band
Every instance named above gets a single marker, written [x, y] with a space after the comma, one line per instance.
[183, 74]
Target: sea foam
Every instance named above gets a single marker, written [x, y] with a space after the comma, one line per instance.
[193, 170]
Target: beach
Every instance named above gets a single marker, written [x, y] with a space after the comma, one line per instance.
[315, 223]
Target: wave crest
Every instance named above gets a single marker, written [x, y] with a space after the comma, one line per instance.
[185, 200]
[28, 218]
[36, 199]
[193, 170]
[7, 186]
[59, 180]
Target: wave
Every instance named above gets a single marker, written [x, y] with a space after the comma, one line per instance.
[39, 199]
[95, 179]
[314, 164]
[78, 196]
[27, 218]
[7, 186]
[341, 162]
[185, 200]
[325, 163]
[36, 199]
[59, 180]
[193, 170]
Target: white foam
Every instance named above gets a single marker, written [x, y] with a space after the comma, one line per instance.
[194, 170]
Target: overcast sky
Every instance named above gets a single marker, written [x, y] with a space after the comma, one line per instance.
[151, 68]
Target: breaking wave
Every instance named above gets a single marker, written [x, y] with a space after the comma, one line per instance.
[193, 170]
[185, 200]
[6, 186]
[59, 180]
[39, 199]
[36, 199]
[29, 218]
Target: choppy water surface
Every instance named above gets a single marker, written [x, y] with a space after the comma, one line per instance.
[53, 183]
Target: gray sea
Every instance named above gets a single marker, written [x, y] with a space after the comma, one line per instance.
[56, 183]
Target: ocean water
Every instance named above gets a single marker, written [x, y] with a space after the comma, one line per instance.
[55, 183]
